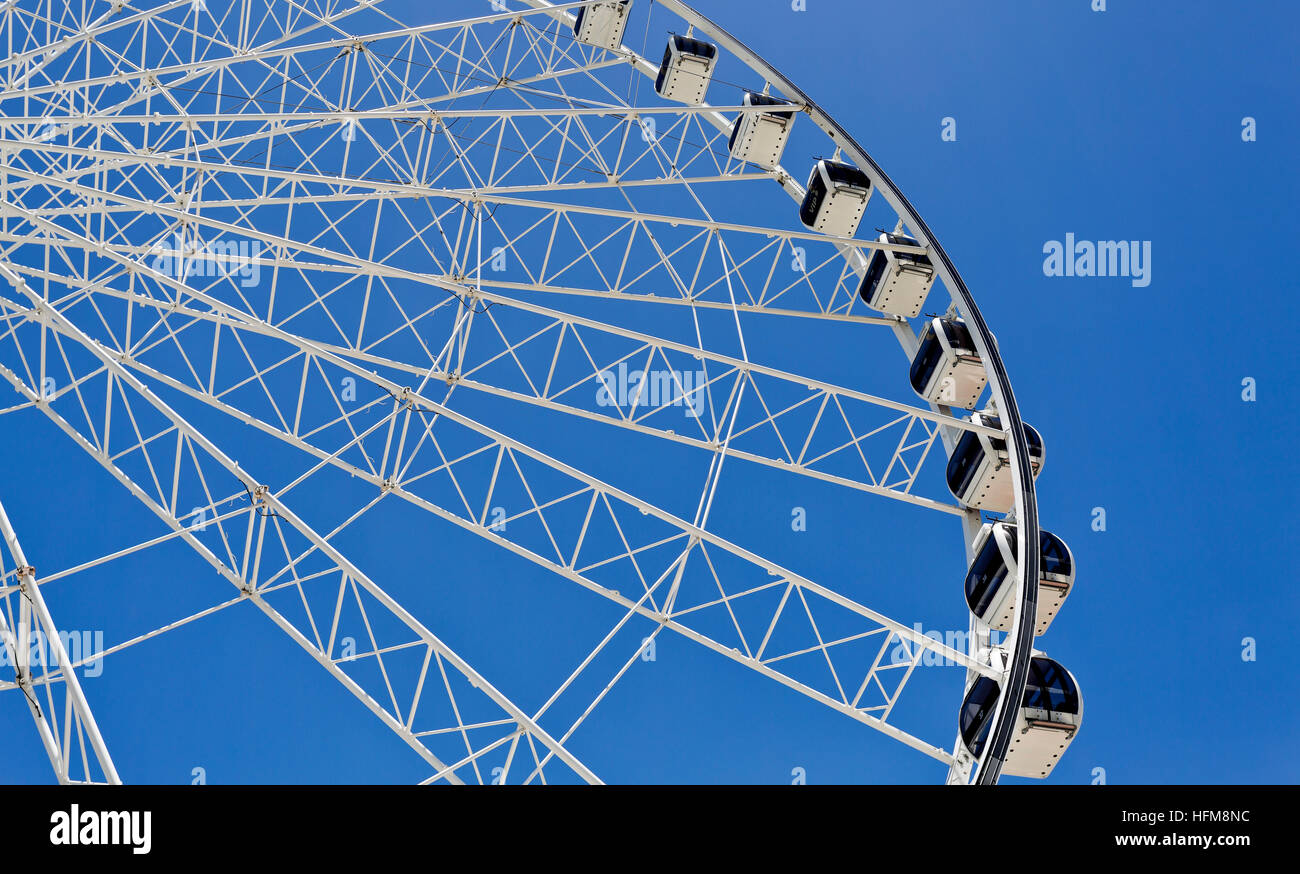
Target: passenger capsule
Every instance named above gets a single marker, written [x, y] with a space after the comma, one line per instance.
[979, 470]
[992, 583]
[1046, 723]
[686, 70]
[602, 24]
[896, 282]
[836, 198]
[760, 137]
[946, 368]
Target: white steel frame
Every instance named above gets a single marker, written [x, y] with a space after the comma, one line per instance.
[81, 170]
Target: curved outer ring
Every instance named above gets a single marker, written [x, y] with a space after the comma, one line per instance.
[1016, 673]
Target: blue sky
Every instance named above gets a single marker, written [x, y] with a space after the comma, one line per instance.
[1124, 124]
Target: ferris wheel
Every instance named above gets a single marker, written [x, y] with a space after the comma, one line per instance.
[296, 274]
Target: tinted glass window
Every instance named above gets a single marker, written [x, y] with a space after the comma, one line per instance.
[904, 240]
[812, 200]
[999, 445]
[1056, 558]
[976, 711]
[926, 360]
[958, 335]
[686, 45]
[985, 577]
[1034, 440]
[965, 460]
[846, 174]
[1050, 688]
[664, 66]
[754, 99]
[871, 279]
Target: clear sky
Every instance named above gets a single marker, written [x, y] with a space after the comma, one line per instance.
[1168, 406]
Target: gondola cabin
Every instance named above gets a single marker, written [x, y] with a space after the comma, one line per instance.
[836, 198]
[979, 470]
[1046, 722]
[897, 282]
[759, 137]
[946, 368]
[993, 580]
[686, 70]
[602, 24]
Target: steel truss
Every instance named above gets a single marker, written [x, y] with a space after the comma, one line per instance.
[136, 140]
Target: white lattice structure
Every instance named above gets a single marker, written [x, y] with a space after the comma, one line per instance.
[349, 237]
